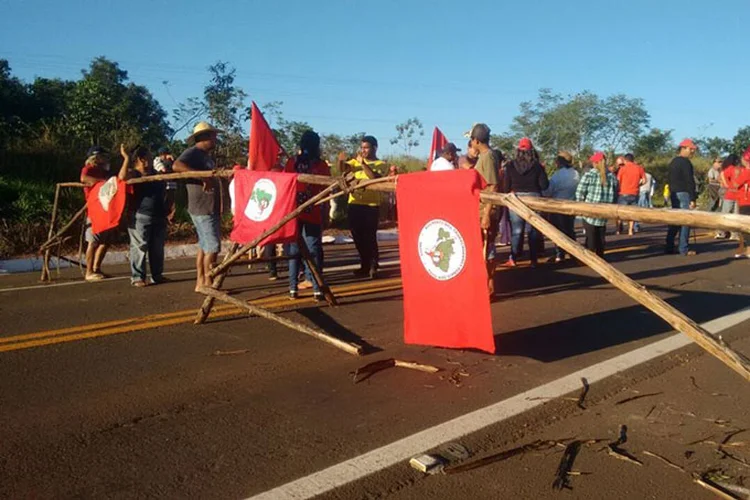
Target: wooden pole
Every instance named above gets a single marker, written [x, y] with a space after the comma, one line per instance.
[316, 273]
[45, 263]
[679, 321]
[208, 302]
[53, 240]
[350, 347]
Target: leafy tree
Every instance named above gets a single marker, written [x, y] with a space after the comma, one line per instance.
[741, 140]
[408, 134]
[712, 147]
[656, 143]
[536, 120]
[624, 119]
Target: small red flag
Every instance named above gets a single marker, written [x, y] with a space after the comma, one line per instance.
[105, 204]
[438, 143]
[446, 302]
[260, 200]
[264, 149]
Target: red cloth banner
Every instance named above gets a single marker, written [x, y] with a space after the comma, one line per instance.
[260, 201]
[105, 204]
[438, 143]
[446, 302]
[264, 149]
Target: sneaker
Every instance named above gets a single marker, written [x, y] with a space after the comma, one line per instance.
[689, 253]
[293, 295]
[558, 259]
[273, 277]
[317, 296]
[158, 280]
[373, 273]
[510, 263]
[741, 256]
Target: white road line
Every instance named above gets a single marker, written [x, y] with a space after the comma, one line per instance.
[350, 267]
[403, 449]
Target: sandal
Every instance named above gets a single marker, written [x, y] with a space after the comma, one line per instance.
[138, 284]
[94, 277]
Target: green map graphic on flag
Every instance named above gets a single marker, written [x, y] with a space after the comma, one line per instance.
[441, 254]
[262, 198]
[261, 202]
[441, 249]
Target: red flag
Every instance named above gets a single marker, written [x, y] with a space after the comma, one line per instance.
[438, 143]
[260, 200]
[264, 149]
[446, 302]
[106, 203]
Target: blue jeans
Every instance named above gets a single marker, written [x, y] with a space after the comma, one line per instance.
[518, 226]
[679, 200]
[312, 235]
[147, 236]
[644, 201]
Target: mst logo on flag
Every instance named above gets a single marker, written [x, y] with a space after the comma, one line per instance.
[442, 249]
[106, 203]
[259, 201]
[446, 302]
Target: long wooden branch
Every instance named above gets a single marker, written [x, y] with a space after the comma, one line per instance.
[679, 321]
[350, 347]
[208, 302]
[52, 241]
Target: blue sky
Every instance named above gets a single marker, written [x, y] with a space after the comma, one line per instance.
[347, 66]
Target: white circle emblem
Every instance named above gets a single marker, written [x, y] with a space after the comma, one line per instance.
[262, 200]
[441, 249]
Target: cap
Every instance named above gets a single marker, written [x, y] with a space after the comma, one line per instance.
[96, 150]
[565, 155]
[450, 147]
[525, 144]
[688, 143]
[480, 132]
[597, 157]
[163, 150]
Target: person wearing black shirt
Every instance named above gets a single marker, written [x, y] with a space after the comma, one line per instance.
[682, 194]
[147, 218]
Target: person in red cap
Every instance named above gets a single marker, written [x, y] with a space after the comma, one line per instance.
[524, 176]
[742, 184]
[598, 185]
[682, 194]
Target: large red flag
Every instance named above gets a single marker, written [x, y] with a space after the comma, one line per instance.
[446, 302]
[264, 149]
[260, 201]
[106, 203]
[438, 143]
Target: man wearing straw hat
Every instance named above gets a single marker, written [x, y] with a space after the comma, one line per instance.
[203, 198]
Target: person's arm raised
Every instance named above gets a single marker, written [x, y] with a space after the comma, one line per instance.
[124, 170]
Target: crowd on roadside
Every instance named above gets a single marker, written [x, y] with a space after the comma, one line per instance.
[151, 205]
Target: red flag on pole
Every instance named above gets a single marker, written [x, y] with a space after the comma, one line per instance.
[259, 201]
[446, 302]
[438, 143]
[264, 149]
[105, 204]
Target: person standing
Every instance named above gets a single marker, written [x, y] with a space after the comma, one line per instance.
[163, 165]
[96, 169]
[682, 194]
[524, 176]
[147, 218]
[203, 198]
[447, 160]
[310, 221]
[487, 166]
[645, 194]
[598, 185]
[469, 160]
[364, 205]
[630, 177]
[562, 186]
[742, 183]
[731, 169]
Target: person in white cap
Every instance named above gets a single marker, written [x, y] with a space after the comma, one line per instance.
[203, 199]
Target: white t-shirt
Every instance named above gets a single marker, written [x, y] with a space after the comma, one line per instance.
[441, 164]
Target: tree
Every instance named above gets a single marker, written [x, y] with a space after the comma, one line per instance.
[225, 102]
[536, 120]
[656, 143]
[624, 119]
[741, 140]
[408, 134]
[713, 147]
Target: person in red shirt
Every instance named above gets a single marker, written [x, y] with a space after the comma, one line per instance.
[308, 161]
[630, 177]
[742, 183]
[96, 169]
[731, 167]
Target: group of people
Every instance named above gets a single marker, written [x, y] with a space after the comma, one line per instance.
[728, 193]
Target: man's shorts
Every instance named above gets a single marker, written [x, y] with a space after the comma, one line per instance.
[104, 238]
[627, 199]
[208, 228]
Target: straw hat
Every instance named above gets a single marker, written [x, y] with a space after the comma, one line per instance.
[201, 128]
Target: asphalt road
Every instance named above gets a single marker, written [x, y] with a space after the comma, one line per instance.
[111, 391]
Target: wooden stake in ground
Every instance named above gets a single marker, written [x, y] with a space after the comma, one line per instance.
[208, 302]
[45, 264]
[350, 347]
[679, 321]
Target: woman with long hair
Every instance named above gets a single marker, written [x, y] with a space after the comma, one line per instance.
[307, 161]
[598, 185]
[147, 217]
[731, 168]
[524, 176]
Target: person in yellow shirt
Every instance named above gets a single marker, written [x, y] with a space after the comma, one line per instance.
[364, 206]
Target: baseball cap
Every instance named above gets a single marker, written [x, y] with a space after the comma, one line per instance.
[525, 144]
[565, 155]
[480, 132]
[688, 143]
[450, 147]
[597, 157]
[96, 150]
